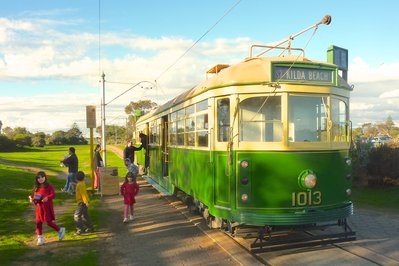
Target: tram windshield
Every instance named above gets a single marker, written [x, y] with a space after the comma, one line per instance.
[308, 116]
[307, 119]
[261, 119]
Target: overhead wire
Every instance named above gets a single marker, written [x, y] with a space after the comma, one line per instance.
[197, 41]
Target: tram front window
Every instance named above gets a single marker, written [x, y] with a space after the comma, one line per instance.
[307, 119]
[260, 119]
[339, 118]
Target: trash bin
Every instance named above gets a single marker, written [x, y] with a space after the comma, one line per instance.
[109, 180]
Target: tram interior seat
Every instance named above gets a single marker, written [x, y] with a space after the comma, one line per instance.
[262, 131]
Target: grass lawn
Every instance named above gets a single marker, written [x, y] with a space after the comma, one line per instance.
[386, 199]
[17, 184]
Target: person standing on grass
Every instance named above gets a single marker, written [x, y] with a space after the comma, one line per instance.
[98, 162]
[43, 195]
[72, 163]
[81, 215]
[129, 190]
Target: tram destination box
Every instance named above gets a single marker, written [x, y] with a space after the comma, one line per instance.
[109, 180]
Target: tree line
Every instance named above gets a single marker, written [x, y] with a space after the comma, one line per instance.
[11, 138]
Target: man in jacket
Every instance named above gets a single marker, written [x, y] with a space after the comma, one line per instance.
[72, 163]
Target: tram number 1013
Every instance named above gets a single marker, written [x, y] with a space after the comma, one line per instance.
[305, 198]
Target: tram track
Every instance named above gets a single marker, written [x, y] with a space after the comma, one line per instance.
[239, 247]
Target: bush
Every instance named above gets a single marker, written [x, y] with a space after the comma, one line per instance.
[7, 144]
[383, 166]
[360, 153]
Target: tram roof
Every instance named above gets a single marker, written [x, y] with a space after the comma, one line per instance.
[249, 71]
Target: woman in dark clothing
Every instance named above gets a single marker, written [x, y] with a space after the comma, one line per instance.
[98, 162]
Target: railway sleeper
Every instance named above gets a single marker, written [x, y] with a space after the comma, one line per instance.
[273, 239]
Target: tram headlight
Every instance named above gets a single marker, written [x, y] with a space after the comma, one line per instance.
[244, 164]
[244, 197]
[310, 181]
[307, 179]
[348, 192]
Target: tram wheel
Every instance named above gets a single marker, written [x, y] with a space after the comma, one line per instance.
[230, 228]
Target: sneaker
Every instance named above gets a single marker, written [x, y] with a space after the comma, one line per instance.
[131, 217]
[40, 240]
[125, 220]
[61, 233]
[89, 230]
[78, 233]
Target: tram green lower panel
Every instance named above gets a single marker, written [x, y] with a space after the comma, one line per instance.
[192, 172]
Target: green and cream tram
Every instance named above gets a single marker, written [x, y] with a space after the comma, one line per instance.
[262, 142]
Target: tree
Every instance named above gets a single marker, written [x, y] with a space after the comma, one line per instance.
[389, 122]
[6, 144]
[58, 138]
[23, 139]
[39, 139]
[134, 110]
[114, 134]
[144, 105]
[1, 125]
[74, 135]
[9, 132]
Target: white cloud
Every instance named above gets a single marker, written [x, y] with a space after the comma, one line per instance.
[360, 71]
[30, 50]
[390, 94]
[355, 106]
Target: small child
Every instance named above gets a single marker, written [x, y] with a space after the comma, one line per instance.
[81, 215]
[43, 195]
[129, 190]
[131, 167]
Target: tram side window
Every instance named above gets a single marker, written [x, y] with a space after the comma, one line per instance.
[172, 133]
[223, 119]
[202, 130]
[180, 127]
[339, 118]
[190, 131]
[172, 129]
[260, 119]
[307, 119]
[154, 133]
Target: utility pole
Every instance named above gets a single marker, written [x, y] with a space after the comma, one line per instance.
[103, 124]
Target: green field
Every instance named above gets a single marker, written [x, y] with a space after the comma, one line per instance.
[17, 229]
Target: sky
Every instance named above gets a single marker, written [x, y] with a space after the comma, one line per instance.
[53, 53]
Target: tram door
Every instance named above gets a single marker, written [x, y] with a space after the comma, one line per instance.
[221, 139]
[164, 146]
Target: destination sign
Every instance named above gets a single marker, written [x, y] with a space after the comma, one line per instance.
[282, 73]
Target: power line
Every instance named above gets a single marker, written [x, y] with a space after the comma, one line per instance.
[203, 35]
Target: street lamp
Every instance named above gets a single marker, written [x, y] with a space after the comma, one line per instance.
[103, 104]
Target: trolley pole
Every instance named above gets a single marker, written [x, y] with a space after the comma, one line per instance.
[103, 123]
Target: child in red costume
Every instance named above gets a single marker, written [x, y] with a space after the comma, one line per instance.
[129, 190]
[43, 195]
